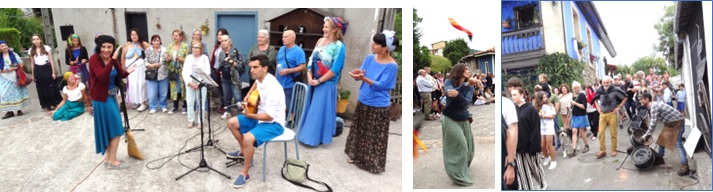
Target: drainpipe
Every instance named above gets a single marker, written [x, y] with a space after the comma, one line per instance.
[113, 19]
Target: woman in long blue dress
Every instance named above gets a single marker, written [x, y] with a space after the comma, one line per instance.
[106, 73]
[369, 134]
[323, 70]
[12, 97]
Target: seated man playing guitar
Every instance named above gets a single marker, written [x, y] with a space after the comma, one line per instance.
[253, 129]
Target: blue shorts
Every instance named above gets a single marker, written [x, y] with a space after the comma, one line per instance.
[580, 122]
[681, 106]
[263, 132]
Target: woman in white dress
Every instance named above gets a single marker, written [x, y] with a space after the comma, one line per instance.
[547, 127]
[136, 91]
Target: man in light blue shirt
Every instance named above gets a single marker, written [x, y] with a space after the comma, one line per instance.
[666, 94]
[290, 63]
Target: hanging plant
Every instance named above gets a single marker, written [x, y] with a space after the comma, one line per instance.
[204, 27]
[581, 45]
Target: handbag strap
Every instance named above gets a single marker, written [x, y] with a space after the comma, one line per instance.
[284, 166]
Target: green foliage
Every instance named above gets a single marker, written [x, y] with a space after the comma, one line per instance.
[12, 37]
[344, 94]
[456, 49]
[667, 43]
[623, 69]
[14, 18]
[560, 68]
[420, 57]
[440, 64]
[398, 56]
[529, 80]
[646, 63]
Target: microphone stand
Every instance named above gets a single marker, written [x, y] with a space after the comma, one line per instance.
[202, 164]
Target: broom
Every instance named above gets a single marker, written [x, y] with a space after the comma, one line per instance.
[132, 147]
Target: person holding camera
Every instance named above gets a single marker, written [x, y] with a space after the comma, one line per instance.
[231, 66]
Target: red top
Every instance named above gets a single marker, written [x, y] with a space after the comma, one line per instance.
[99, 73]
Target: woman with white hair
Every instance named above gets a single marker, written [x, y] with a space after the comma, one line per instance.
[579, 120]
[263, 47]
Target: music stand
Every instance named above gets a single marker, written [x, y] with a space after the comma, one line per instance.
[205, 81]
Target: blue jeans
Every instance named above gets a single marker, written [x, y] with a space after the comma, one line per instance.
[230, 92]
[679, 146]
[630, 108]
[288, 97]
[158, 91]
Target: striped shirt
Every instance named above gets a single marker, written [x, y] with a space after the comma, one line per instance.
[661, 110]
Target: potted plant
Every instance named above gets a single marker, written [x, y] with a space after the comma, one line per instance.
[343, 100]
[204, 27]
[506, 23]
[536, 17]
[581, 45]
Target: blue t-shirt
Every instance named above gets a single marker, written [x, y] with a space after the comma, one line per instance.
[295, 57]
[384, 80]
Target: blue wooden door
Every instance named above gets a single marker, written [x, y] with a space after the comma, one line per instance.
[242, 29]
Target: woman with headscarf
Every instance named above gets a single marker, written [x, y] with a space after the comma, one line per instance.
[369, 134]
[323, 70]
[175, 55]
[263, 47]
[74, 99]
[458, 145]
[44, 74]
[106, 74]
[136, 90]
[76, 57]
[12, 97]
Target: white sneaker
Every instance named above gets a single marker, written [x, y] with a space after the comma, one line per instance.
[225, 115]
[547, 161]
[553, 165]
[152, 111]
[164, 110]
[141, 108]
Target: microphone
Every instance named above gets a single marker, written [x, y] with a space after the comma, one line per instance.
[238, 104]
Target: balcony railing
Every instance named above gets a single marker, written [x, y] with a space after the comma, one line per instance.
[522, 41]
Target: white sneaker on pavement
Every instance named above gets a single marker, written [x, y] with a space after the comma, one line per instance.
[547, 161]
[141, 108]
[225, 115]
[553, 165]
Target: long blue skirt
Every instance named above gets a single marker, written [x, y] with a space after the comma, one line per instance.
[320, 121]
[107, 123]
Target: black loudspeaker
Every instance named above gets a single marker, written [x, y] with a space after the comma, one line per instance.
[66, 31]
[340, 127]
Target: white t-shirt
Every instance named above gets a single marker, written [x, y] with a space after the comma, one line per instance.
[272, 99]
[547, 126]
[74, 95]
[509, 111]
[42, 59]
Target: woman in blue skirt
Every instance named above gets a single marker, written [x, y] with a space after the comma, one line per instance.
[323, 70]
[106, 73]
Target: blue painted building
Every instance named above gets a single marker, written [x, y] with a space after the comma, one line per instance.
[480, 62]
[531, 29]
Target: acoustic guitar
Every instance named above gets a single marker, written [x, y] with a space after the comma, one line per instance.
[253, 100]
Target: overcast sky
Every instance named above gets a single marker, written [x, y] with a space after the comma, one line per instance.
[480, 17]
[630, 26]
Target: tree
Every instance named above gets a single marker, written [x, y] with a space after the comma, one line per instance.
[14, 18]
[560, 68]
[623, 69]
[646, 63]
[421, 58]
[440, 64]
[397, 29]
[667, 43]
[455, 50]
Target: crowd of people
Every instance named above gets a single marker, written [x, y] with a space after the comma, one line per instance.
[430, 94]
[155, 74]
[530, 126]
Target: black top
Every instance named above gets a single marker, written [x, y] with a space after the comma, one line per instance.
[581, 98]
[457, 107]
[629, 94]
[546, 88]
[528, 129]
[68, 56]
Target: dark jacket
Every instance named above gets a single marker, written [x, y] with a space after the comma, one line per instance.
[528, 129]
[68, 56]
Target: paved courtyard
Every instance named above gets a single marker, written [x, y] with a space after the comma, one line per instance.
[429, 171]
[39, 154]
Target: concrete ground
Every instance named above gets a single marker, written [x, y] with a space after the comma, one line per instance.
[429, 171]
[39, 154]
[585, 172]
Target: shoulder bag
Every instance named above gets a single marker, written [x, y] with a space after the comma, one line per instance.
[152, 74]
[295, 171]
